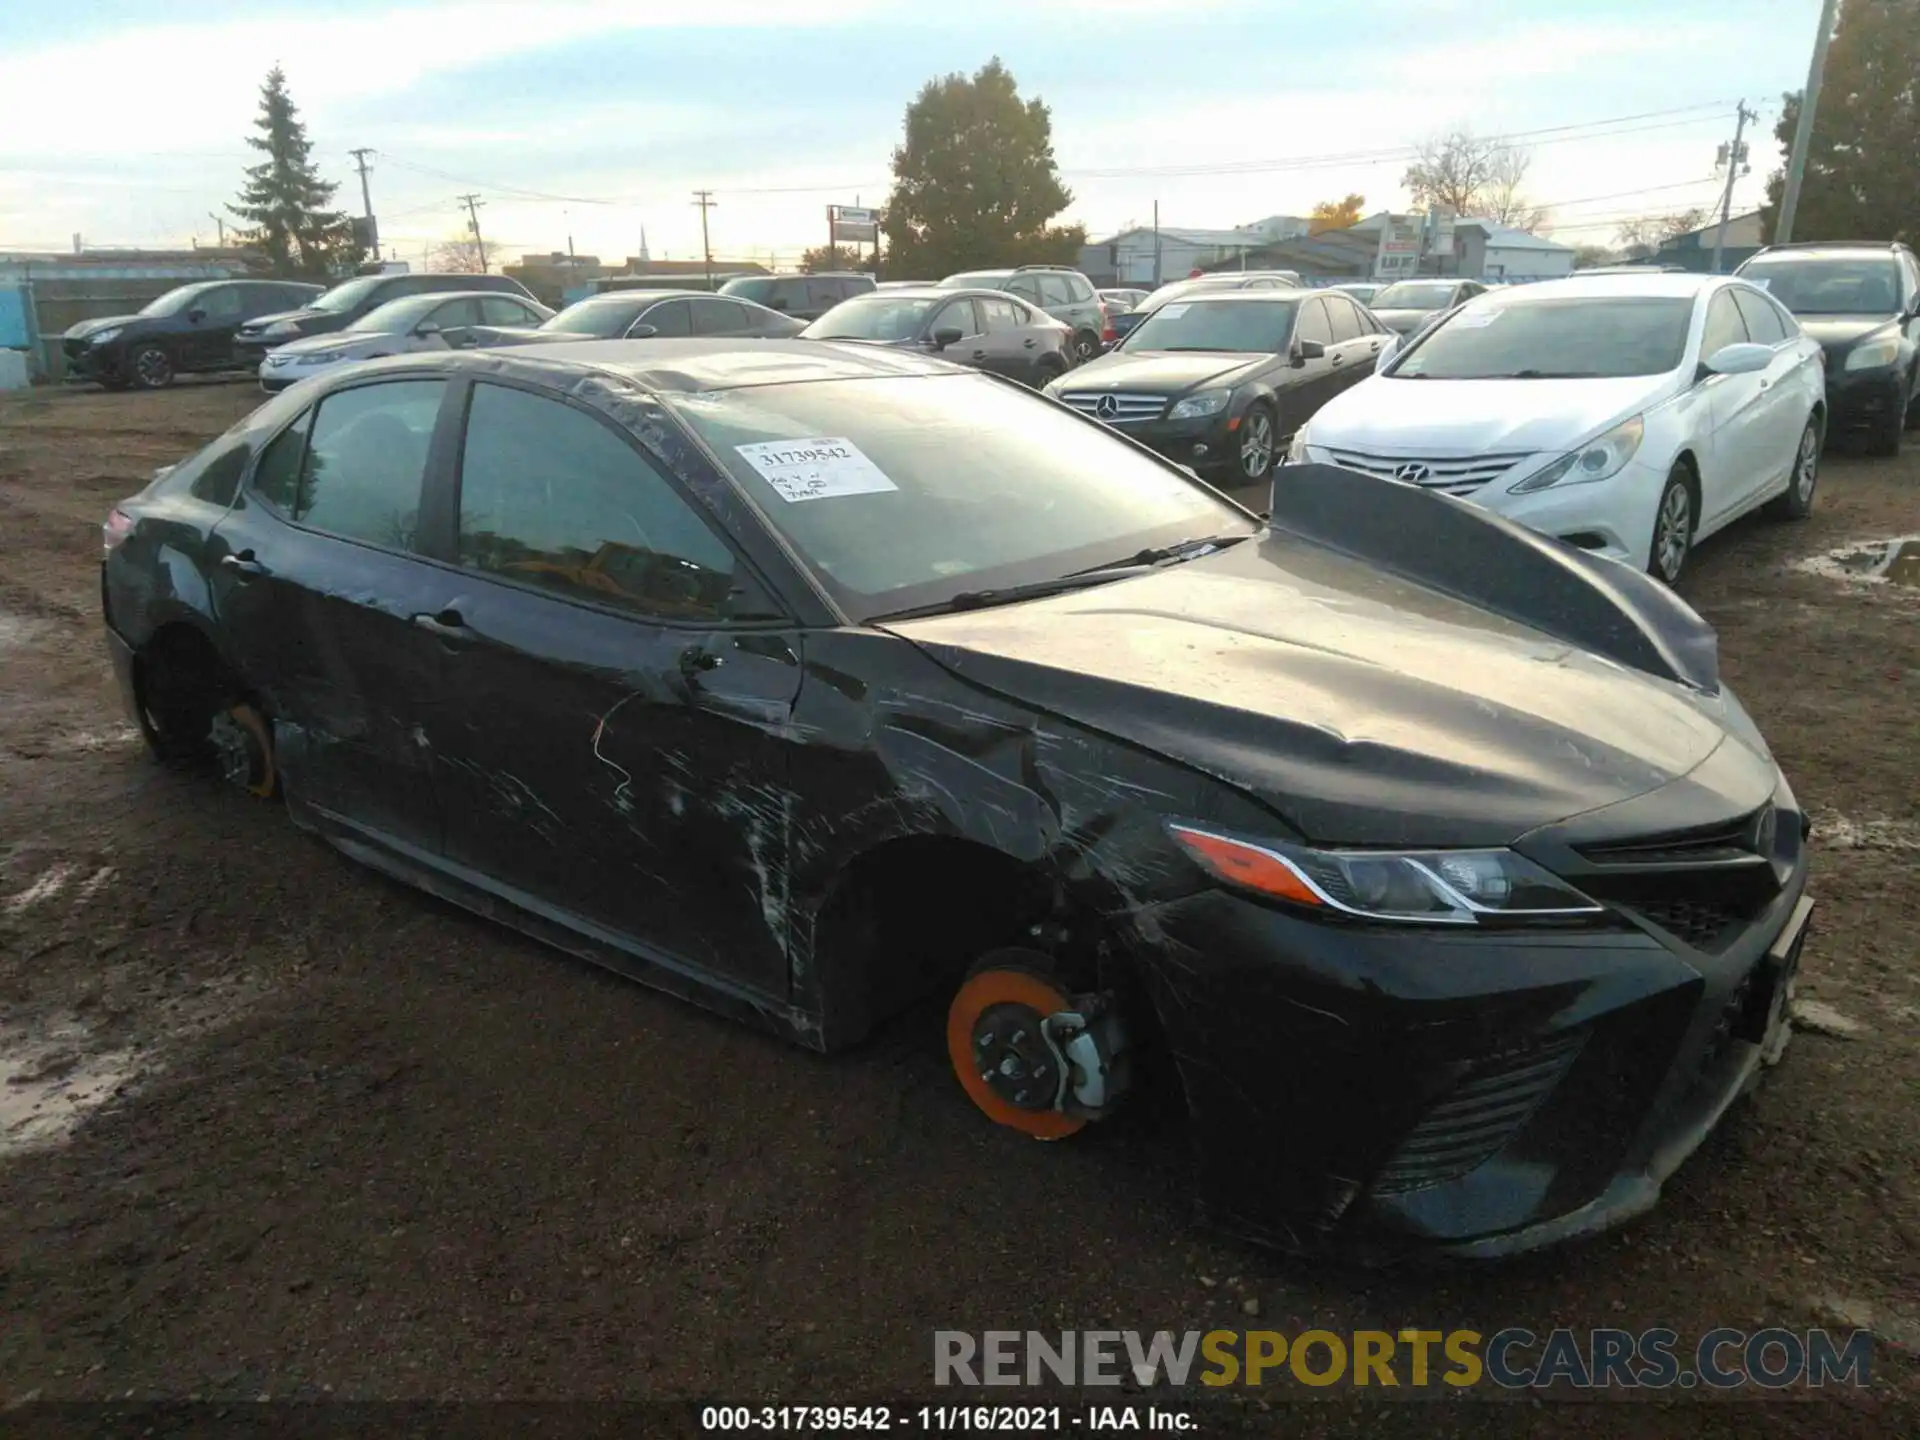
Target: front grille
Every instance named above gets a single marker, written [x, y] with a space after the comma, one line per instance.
[1732, 841]
[1699, 923]
[1125, 407]
[1494, 1099]
[1455, 474]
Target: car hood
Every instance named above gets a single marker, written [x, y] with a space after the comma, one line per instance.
[95, 326]
[306, 319]
[345, 347]
[1403, 322]
[1363, 708]
[483, 335]
[1160, 372]
[1840, 333]
[1388, 416]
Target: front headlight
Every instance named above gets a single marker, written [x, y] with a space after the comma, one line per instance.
[280, 330]
[1596, 460]
[1874, 354]
[1297, 451]
[1420, 887]
[101, 337]
[317, 357]
[1207, 402]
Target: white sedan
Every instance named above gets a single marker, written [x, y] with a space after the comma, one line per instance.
[399, 327]
[1628, 415]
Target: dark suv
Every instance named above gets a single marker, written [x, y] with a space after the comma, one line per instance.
[1060, 290]
[804, 297]
[1861, 301]
[348, 301]
[189, 328]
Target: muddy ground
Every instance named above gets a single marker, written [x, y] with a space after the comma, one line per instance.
[273, 1125]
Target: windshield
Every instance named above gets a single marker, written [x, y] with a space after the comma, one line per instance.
[1830, 287]
[1595, 338]
[1241, 324]
[396, 317]
[872, 317]
[601, 319]
[1413, 297]
[751, 287]
[348, 294]
[174, 301]
[967, 484]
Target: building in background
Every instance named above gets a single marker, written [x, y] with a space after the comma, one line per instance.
[1694, 249]
[1488, 250]
[1139, 255]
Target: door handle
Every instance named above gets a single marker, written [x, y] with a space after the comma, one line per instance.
[695, 662]
[1027, 343]
[979, 354]
[242, 563]
[1339, 360]
[448, 624]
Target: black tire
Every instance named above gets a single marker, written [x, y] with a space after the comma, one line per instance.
[1046, 371]
[149, 367]
[1248, 468]
[1667, 555]
[1797, 503]
[178, 699]
[1913, 399]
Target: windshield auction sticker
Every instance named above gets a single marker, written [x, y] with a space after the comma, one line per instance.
[815, 469]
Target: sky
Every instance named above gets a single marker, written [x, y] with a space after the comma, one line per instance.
[124, 120]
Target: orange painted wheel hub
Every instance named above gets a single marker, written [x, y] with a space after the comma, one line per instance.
[1001, 1055]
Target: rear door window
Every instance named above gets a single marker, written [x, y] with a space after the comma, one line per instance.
[714, 317]
[1001, 314]
[464, 311]
[220, 303]
[670, 317]
[555, 499]
[1078, 289]
[1341, 318]
[1054, 292]
[1312, 324]
[503, 310]
[366, 458]
[1026, 287]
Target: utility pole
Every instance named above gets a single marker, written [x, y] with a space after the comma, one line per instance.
[1156, 244]
[1736, 158]
[473, 204]
[222, 227]
[704, 199]
[366, 195]
[1803, 128]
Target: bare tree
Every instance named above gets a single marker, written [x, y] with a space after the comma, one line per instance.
[1474, 178]
[1642, 237]
[458, 257]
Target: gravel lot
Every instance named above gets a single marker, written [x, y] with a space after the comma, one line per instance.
[274, 1125]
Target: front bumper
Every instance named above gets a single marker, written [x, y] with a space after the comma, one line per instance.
[1863, 399]
[1377, 1093]
[85, 361]
[1203, 442]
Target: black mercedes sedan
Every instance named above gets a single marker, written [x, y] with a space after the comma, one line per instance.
[986, 329]
[803, 680]
[1222, 380]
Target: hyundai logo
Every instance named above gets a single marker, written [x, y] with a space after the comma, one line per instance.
[1106, 407]
[1414, 473]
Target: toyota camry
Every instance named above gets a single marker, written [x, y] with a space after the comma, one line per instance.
[804, 680]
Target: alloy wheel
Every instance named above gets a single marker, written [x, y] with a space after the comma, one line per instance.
[1673, 531]
[1085, 348]
[1806, 465]
[1256, 445]
[152, 367]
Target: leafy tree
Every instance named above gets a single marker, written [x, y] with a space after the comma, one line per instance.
[1585, 257]
[974, 181]
[1863, 163]
[1336, 214]
[284, 202]
[835, 257]
[1475, 178]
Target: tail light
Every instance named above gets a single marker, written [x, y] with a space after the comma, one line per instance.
[117, 527]
[1107, 334]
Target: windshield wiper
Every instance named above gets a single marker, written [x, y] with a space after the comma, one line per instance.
[1180, 550]
[1545, 375]
[1008, 594]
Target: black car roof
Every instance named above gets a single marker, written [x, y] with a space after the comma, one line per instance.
[681, 366]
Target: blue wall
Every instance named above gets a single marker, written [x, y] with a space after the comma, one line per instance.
[14, 331]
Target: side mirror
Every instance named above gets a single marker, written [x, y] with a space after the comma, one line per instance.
[1305, 350]
[1745, 358]
[946, 335]
[426, 330]
[642, 332]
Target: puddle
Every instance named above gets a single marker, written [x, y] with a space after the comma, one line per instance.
[1869, 562]
[50, 1082]
[95, 740]
[18, 631]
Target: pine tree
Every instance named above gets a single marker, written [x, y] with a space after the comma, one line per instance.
[284, 202]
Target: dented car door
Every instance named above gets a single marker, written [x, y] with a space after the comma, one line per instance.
[612, 755]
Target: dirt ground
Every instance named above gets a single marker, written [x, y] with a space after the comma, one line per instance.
[273, 1125]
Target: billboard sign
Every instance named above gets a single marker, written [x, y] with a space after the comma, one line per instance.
[851, 224]
[1399, 252]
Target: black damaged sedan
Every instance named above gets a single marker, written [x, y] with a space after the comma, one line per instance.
[804, 680]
